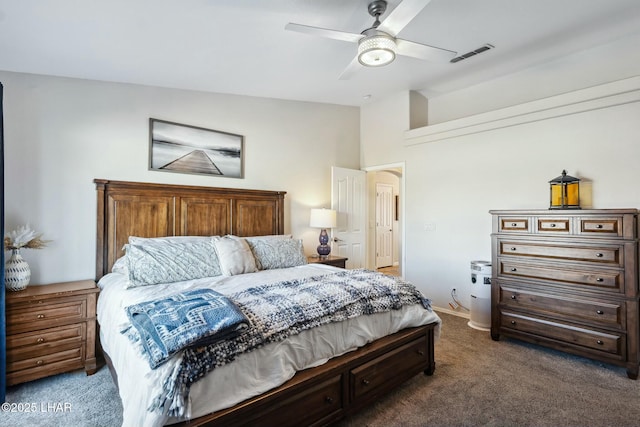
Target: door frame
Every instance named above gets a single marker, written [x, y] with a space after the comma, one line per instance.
[401, 217]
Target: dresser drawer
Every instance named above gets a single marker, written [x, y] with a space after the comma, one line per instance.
[44, 315]
[374, 374]
[613, 255]
[45, 341]
[606, 314]
[603, 279]
[606, 342]
[553, 225]
[600, 226]
[508, 224]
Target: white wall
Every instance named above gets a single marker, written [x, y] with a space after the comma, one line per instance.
[601, 64]
[452, 184]
[62, 133]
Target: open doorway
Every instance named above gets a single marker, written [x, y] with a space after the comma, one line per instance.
[385, 247]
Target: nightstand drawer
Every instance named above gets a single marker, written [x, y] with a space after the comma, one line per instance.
[596, 340]
[72, 354]
[30, 344]
[56, 363]
[33, 316]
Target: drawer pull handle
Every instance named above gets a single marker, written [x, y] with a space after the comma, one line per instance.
[599, 342]
[328, 399]
[40, 316]
[420, 353]
[599, 226]
[513, 296]
[365, 381]
[599, 312]
[513, 322]
[514, 269]
[513, 249]
[599, 255]
[552, 225]
[599, 280]
[40, 362]
[514, 224]
[40, 340]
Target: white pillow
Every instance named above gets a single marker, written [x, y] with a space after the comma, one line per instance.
[234, 255]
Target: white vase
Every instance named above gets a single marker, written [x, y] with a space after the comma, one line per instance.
[16, 272]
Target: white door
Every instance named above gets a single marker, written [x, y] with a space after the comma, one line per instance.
[384, 225]
[348, 192]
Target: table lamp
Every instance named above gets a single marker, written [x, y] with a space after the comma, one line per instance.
[323, 219]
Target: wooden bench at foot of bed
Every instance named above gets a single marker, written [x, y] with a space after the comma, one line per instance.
[327, 393]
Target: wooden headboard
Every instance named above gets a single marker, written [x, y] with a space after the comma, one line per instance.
[157, 210]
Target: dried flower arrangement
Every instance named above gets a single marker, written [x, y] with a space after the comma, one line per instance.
[24, 237]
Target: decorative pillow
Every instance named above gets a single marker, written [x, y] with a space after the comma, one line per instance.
[277, 253]
[268, 237]
[120, 266]
[166, 261]
[178, 239]
[235, 256]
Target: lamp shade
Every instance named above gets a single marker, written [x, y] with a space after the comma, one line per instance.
[323, 218]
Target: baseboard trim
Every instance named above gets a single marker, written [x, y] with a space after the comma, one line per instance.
[452, 312]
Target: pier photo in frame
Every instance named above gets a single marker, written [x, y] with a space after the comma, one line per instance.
[182, 148]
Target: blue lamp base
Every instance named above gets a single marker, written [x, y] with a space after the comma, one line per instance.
[323, 248]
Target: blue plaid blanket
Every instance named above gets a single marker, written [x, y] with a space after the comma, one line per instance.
[279, 310]
[197, 317]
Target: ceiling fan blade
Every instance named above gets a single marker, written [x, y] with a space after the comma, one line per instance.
[402, 15]
[423, 51]
[351, 69]
[323, 32]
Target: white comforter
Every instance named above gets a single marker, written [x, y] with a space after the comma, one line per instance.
[250, 374]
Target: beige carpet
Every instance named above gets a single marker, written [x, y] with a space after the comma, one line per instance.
[479, 382]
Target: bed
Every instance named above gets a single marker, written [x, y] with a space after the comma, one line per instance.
[323, 373]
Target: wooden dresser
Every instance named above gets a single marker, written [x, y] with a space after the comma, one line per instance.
[51, 329]
[568, 279]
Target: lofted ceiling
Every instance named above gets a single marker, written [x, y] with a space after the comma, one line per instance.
[241, 46]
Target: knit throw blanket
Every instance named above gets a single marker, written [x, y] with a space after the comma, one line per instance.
[279, 310]
[198, 317]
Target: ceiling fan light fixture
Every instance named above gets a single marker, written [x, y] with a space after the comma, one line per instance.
[376, 50]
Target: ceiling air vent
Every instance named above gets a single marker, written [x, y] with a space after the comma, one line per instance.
[484, 48]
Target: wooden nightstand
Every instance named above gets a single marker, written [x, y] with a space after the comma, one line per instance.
[336, 261]
[51, 329]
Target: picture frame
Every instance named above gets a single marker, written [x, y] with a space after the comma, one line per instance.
[180, 148]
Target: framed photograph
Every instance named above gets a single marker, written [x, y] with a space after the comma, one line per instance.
[174, 147]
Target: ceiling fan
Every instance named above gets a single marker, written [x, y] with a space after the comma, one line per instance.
[378, 45]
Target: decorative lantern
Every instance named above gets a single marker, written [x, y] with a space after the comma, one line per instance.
[565, 192]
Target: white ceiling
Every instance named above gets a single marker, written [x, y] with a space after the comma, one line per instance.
[241, 46]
